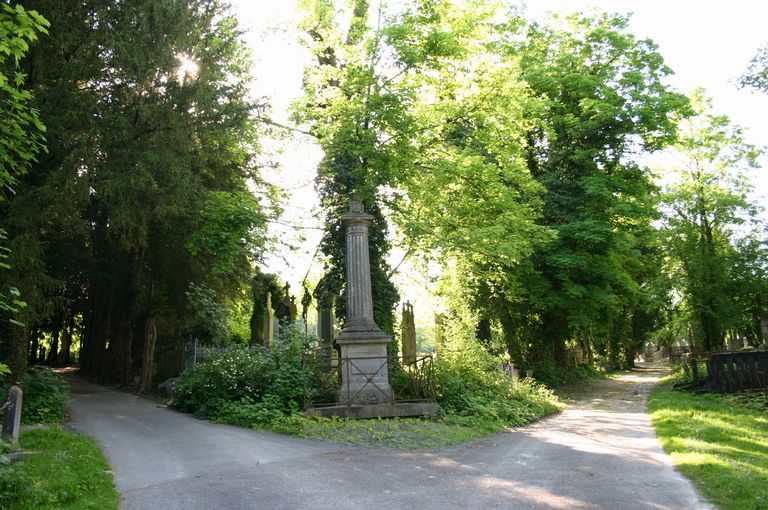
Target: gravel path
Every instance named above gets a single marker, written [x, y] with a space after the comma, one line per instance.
[601, 452]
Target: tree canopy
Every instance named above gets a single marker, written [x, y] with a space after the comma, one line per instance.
[508, 153]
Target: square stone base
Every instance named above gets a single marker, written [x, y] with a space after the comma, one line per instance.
[398, 409]
[364, 373]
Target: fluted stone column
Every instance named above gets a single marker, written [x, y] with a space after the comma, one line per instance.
[363, 345]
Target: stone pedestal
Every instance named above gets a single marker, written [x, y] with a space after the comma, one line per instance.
[363, 345]
[364, 372]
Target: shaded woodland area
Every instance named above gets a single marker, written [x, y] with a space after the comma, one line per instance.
[506, 151]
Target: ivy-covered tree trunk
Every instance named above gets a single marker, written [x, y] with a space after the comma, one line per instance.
[351, 162]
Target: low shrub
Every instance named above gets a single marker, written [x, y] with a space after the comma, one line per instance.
[266, 388]
[548, 373]
[246, 385]
[13, 483]
[45, 396]
[471, 387]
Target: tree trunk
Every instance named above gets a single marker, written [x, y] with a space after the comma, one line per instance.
[66, 341]
[150, 341]
[483, 333]
[13, 347]
[34, 347]
[124, 352]
[93, 353]
[764, 327]
[629, 358]
[148, 355]
[53, 352]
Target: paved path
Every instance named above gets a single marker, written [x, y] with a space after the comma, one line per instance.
[599, 453]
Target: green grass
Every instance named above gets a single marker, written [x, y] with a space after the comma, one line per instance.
[402, 433]
[720, 442]
[65, 471]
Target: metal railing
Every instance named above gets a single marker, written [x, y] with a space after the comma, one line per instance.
[411, 379]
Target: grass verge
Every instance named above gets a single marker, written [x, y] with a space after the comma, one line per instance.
[63, 471]
[402, 433]
[720, 442]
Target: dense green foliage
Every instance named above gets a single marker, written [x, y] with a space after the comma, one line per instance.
[21, 139]
[505, 151]
[600, 96]
[22, 132]
[339, 94]
[720, 442]
[471, 385]
[13, 483]
[251, 386]
[45, 396]
[714, 246]
[143, 202]
[502, 154]
[44, 400]
[267, 388]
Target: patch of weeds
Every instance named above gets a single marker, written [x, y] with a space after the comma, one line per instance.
[469, 384]
[754, 401]
[13, 483]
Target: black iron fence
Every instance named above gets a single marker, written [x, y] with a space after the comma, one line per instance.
[737, 371]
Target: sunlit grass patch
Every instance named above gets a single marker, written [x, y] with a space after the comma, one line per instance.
[720, 442]
[392, 433]
[64, 471]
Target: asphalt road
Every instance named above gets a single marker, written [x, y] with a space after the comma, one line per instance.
[599, 453]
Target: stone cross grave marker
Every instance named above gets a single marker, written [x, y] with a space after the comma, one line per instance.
[12, 415]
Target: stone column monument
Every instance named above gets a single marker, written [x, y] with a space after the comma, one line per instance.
[363, 345]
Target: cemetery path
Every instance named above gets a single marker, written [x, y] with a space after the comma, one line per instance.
[600, 453]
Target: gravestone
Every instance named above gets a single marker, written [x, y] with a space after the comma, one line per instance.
[12, 415]
[408, 333]
[293, 310]
[362, 344]
[325, 321]
[286, 310]
[269, 324]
